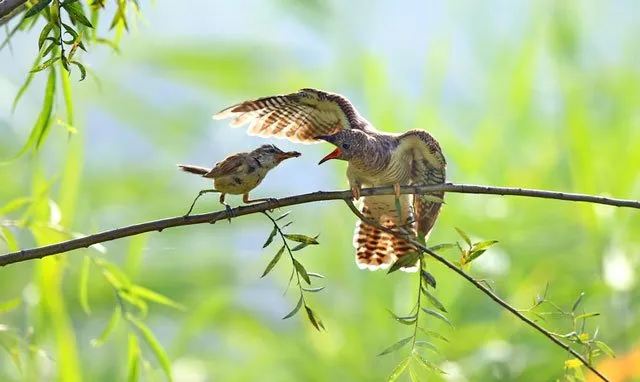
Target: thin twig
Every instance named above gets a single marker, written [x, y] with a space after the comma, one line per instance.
[159, 225]
[478, 285]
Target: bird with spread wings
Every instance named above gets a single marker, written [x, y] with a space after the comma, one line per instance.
[374, 159]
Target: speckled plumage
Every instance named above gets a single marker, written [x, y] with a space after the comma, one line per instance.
[375, 159]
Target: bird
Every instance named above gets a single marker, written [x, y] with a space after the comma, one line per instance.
[240, 173]
[375, 159]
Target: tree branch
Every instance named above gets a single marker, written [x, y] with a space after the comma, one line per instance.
[10, 8]
[478, 285]
[159, 225]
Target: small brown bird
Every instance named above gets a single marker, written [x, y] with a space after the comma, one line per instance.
[375, 159]
[240, 173]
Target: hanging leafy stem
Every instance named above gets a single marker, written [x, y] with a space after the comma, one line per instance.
[298, 271]
[66, 31]
[428, 306]
[588, 345]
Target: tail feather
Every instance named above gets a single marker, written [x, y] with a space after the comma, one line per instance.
[194, 169]
[376, 249]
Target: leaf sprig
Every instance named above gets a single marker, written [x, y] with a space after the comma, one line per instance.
[587, 344]
[298, 271]
[427, 305]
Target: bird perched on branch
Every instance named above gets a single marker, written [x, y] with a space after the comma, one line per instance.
[374, 159]
[240, 173]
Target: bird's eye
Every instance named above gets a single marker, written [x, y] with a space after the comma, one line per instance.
[345, 146]
[272, 151]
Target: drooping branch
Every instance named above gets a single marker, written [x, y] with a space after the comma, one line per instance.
[478, 285]
[159, 225]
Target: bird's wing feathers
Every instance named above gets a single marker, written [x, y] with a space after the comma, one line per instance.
[230, 165]
[428, 167]
[299, 117]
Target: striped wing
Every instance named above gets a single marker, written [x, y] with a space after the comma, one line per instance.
[230, 165]
[298, 117]
[428, 167]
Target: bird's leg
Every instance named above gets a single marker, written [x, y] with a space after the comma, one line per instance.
[355, 191]
[227, 207]
[396, 190]
[272, 201]
[196, 199]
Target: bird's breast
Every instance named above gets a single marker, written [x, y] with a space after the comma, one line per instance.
[238, 183]
[395, 170]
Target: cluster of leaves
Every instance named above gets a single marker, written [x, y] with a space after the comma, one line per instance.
[132, 308]
[66, 31]
[298, 272]
[427, 305]
[586, 344]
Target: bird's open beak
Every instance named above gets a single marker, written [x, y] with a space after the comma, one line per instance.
[335, 154]
[287, 155]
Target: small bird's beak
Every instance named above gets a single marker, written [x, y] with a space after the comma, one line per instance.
[335, 154]
[290, 154]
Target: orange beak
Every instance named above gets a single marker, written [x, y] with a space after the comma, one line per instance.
[335, 154]
[287, 155]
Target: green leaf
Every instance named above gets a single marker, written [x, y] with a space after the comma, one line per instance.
[302, 238]
[9, 239]
[41, 127]
[295, 310]
[399, 369]
[428, 278]
[433, 334]
[586, 315]
[414, 377]
[427, 345]
[578, 301]
[442, 247]
[133, 356]
[397, 346]
[398, 209]
[483, 245]
[44, 34]
[10, 305]
[312, 290]
[111, 325]
[117, 278]
[464, 236]
[284, 215]
[153, 344]
[112, 45]
[301, 271]
[572, 363]
[433, 300]
[405, 320]
[156, 297]
[83, 285]
[408, 260]
[313, 274]
[75, 9]
[605, 349]
[437, 315]
[135, 301]
[301, 246]
[427, 364]
[315, 321]
[273, 233]
[273, 262]
[83, 70]
[474, 255]
[14, 205]
[39, 6]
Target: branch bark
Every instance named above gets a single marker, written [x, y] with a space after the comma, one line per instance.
[159, 225]
[478, 285]
[9, 8]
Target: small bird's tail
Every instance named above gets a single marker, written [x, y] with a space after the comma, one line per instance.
[376, 249]
[194, 169]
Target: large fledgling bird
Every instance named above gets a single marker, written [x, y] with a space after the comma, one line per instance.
[240, 173]
[374, 159]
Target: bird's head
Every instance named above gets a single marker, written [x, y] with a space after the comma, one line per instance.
[350, 144]
[270, 156]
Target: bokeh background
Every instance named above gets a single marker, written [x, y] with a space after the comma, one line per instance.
[539, 94]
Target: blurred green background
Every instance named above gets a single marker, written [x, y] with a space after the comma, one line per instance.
[539, 94]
